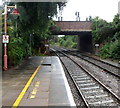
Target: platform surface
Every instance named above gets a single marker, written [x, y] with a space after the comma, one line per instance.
[49, 86]
[14, 79]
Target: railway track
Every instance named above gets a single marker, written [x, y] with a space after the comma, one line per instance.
[107, 67]
[92, 91]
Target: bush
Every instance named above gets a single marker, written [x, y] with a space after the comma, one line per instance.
[104, 51]
[17, 50]
[111, 50]
[115, 49]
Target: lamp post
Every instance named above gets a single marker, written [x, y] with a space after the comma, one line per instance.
[5, 36]
[119, 9]
[5, 32]
[30, 45]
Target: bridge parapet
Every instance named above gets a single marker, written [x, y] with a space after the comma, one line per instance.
[75, 26]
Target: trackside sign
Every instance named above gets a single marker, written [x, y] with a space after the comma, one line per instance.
[5, 39]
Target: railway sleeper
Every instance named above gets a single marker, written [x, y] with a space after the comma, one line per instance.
[108, 102]
[96, 96]
[84, 78]
[84, 81]
[95, 92]
[92, 91]
[87, 84]
[90, 88]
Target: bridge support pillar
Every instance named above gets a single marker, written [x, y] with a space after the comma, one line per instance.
[85, 43]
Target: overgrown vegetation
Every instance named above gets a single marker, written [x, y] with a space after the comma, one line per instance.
[29, 32]
[108, 36]
[65, 41]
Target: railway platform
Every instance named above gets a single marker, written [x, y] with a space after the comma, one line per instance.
[46, 86]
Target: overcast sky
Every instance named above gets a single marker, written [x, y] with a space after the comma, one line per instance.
[0, 2]
[105, 9]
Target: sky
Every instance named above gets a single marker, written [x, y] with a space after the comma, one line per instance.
[0, 2]
[105, 9]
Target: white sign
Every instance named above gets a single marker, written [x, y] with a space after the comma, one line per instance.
[96, 45]
[46, 45]
[5, 39]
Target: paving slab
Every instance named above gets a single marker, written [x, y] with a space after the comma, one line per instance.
[34, 102]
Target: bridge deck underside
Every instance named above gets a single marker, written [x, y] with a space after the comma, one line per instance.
[72, 33]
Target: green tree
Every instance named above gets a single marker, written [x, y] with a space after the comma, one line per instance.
[67, 41]
[107, 35]
[32, 24]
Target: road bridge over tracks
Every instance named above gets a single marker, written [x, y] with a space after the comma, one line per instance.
[80, 28]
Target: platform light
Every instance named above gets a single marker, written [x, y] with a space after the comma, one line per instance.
[15, 12]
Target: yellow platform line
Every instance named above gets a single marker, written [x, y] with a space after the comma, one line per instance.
[18, 100]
